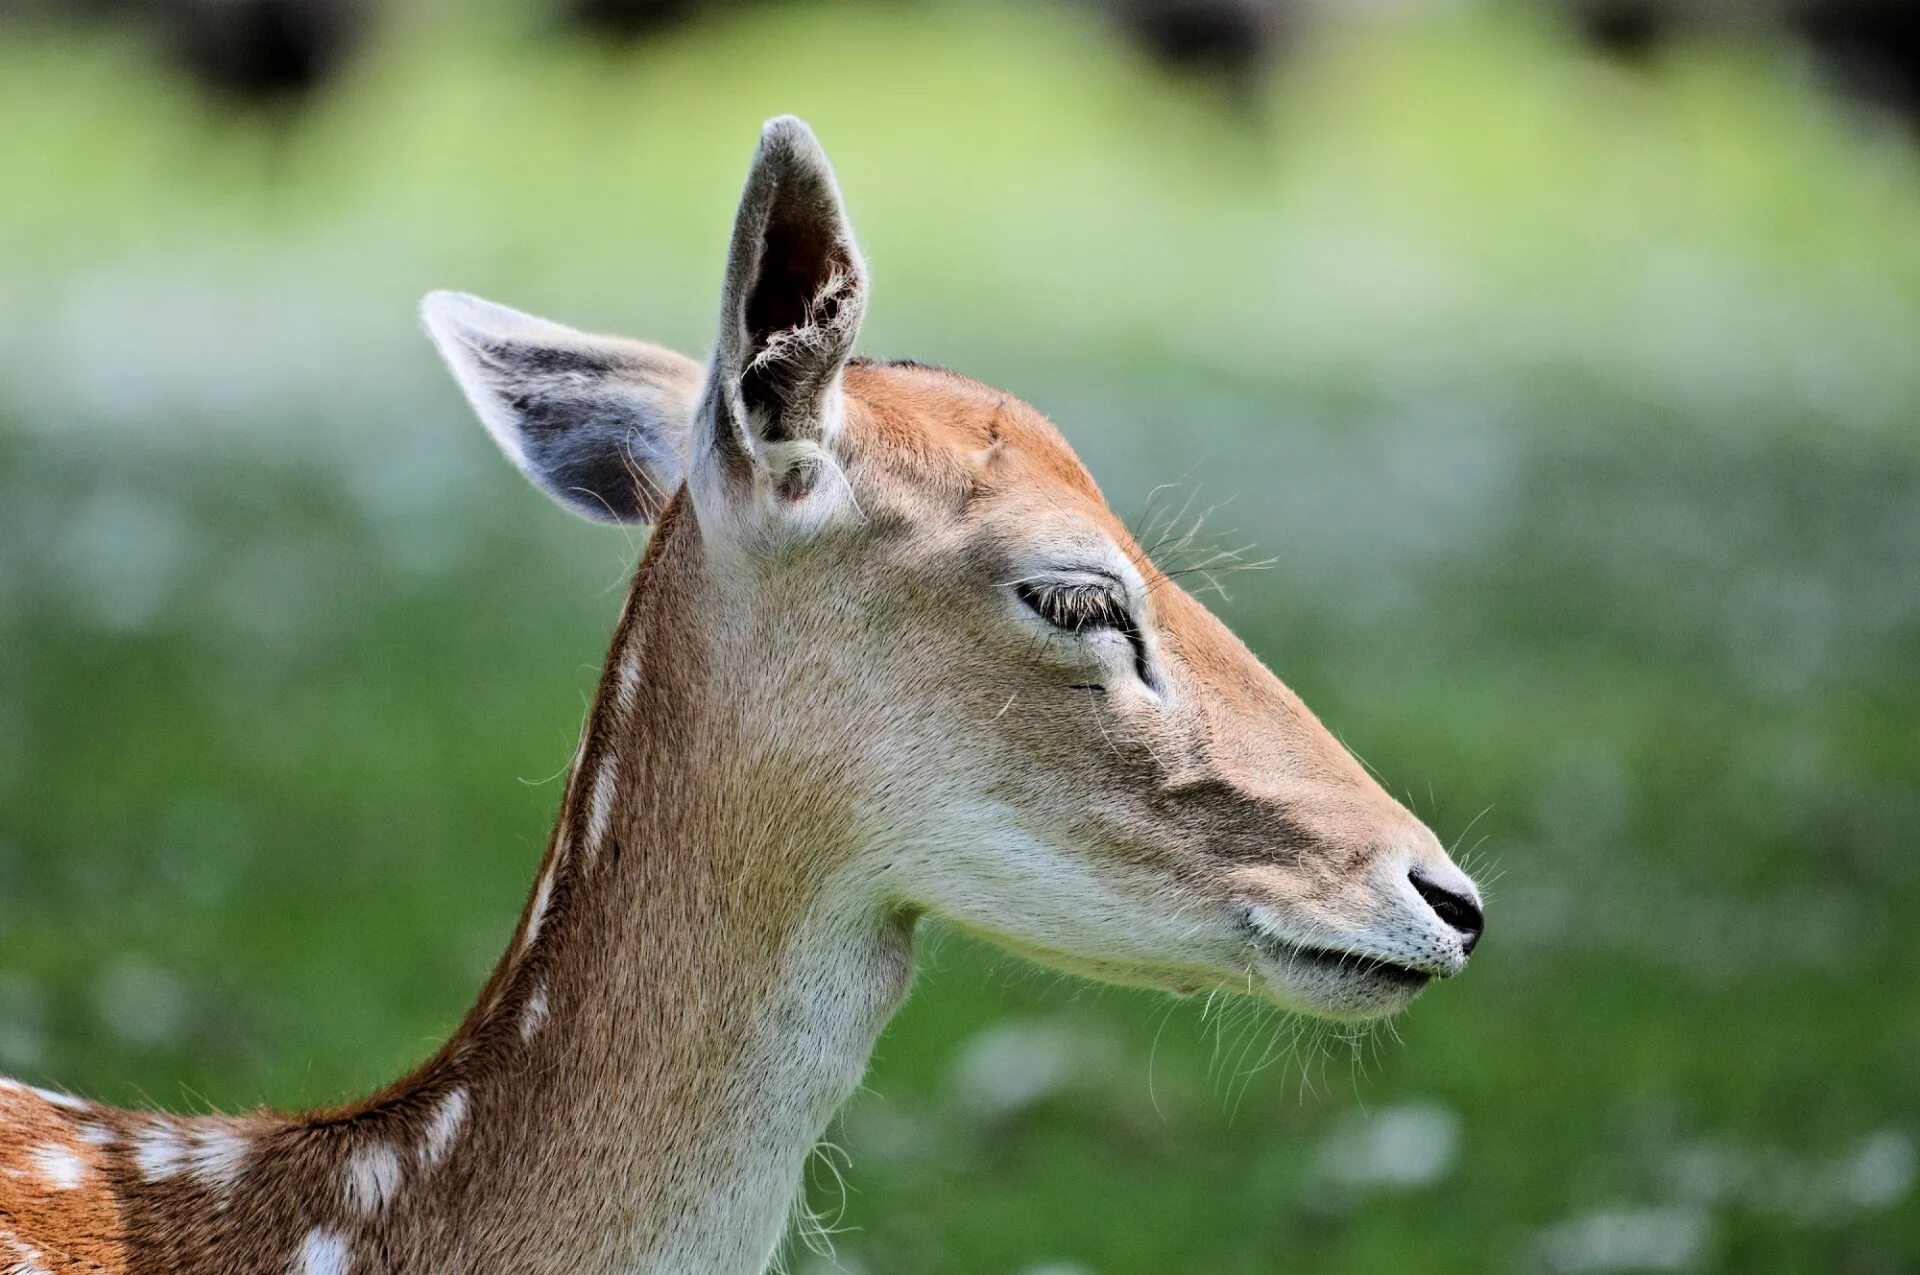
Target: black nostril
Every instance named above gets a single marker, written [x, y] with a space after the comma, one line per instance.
[1457, 910]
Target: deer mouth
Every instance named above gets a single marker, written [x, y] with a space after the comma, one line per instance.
[1313, 963]
[1327, 961]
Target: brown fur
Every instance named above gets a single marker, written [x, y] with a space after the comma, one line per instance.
[77, 1228]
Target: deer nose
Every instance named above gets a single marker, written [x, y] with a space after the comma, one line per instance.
[1458, 910]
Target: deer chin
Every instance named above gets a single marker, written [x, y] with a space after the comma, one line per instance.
[1181, 979]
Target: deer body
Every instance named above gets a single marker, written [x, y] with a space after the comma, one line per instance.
[887, 653]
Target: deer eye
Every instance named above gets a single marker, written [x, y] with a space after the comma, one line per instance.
[1076, 606]
[1097, 605]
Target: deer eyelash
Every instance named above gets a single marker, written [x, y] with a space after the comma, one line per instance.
[1076, 607]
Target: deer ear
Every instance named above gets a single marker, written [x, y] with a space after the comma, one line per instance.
[598, 422]
[796, 289]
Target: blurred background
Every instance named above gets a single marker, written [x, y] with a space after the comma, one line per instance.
[1563, 356]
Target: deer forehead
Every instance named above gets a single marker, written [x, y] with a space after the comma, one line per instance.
[948, 437]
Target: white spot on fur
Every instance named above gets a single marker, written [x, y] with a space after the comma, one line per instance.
[95, 1135]
[28, 1257]
[62, 1169]
[158, 1150]
[449, 1114]
[600, 804]
[217, 1155]
[627, 689]
[373, 1177]
[538, 915]
[534, 1016]
[67, 1101]
[322, 1252]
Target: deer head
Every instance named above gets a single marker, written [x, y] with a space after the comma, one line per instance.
[933, 658]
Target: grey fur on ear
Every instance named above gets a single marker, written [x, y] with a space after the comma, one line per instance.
[599, 422]
[795, 293]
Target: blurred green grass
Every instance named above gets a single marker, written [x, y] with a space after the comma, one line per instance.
[1576, 406]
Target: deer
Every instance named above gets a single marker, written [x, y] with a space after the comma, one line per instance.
[887, 656]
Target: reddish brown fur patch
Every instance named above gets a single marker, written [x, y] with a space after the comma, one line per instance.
[43, 1227]
[928, 419]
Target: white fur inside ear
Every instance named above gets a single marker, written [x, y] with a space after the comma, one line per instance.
[810, 340]
[803, 489]
[784, 460]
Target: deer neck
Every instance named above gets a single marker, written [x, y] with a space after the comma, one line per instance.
[694, 990]
[644, 1094]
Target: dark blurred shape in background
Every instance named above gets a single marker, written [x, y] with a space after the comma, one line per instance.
[1870, 48]
[1630, 29]
[1234, 41]
[1866, 49]
[634, 19]
[281, 51]
[266, 51]
[269, 54]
